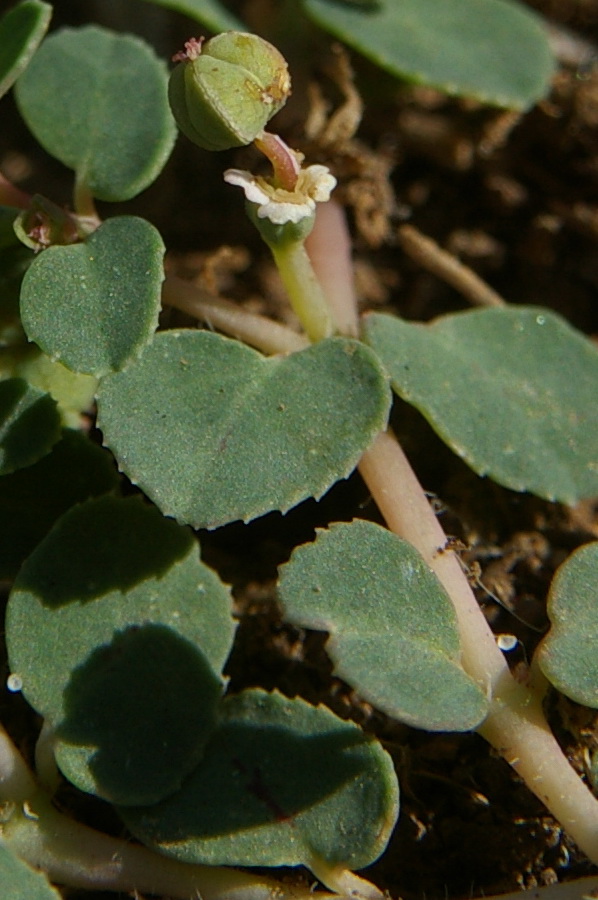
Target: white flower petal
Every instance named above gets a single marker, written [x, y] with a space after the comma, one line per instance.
[253, 191]
[314, 185]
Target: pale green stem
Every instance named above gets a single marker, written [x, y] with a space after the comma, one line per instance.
[77, 856]
[45, 759]
[73, 854]
[515, 725]
[258, 331]
[85, 208]
[16, 781]
[342, 880]
[304, 290]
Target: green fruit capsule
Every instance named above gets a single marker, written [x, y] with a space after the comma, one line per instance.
[223, 93]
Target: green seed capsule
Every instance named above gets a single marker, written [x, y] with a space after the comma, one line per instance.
[223, 94]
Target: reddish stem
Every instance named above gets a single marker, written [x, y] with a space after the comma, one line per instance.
[284, 161]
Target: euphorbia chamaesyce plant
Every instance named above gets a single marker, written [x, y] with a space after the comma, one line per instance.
[117, 632]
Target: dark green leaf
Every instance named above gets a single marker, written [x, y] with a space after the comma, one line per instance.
[29, 424]
[118, 633]
[213, 431]
[21, 31]
[207, 12]
[494, 50]
[281, 782]
[98, 102]
[393, 629]
[93, 306]
[512, 391]
[32, 499]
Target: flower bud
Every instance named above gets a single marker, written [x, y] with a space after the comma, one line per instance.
[223, 93]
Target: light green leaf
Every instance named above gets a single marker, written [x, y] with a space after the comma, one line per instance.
[20, 882]
[32, 499]
[568, 654]
[512, 391]
[74, 393]
[94, 305]
[118, 633]
[281, 782]
[212, 431]
[97, 101]
[493, 50]
[29, 424]
[21, 31]
[207, 12]
[393, 629]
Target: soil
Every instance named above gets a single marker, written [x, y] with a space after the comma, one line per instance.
[515, 198]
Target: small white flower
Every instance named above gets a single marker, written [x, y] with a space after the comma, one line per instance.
[314, 185]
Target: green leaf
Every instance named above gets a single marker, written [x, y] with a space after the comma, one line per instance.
[281, 782]
[512, 391]
[32, 499]
[74, 393]
[93, 306]
[393, 629]
[494, 50]
[567, 655]
[118, 633]
[20, 882]
[212, 431]
[97, 101]
[207, 12]
[14, 261]
[29, 424]
[21, 31]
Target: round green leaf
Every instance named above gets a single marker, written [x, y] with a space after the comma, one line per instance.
[118, 633]
[568, 654]
[97, 101]
[21, 31]
[393, 629]
[281, 782]
[29, 424]
[512, 391]
[20, 882]
[213, 431]
[94, 305]
[32, 499]
[207, 12]
[494, 50]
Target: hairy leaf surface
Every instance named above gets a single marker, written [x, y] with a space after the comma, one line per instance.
[20, 882]
[119, 634]
[512, 391]
[568, 654]
[393, 629]
[281, 782]
[213, 431]
[494, 50]
[97, 101]
[21, 31]
[29, 424]
[94, 305]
